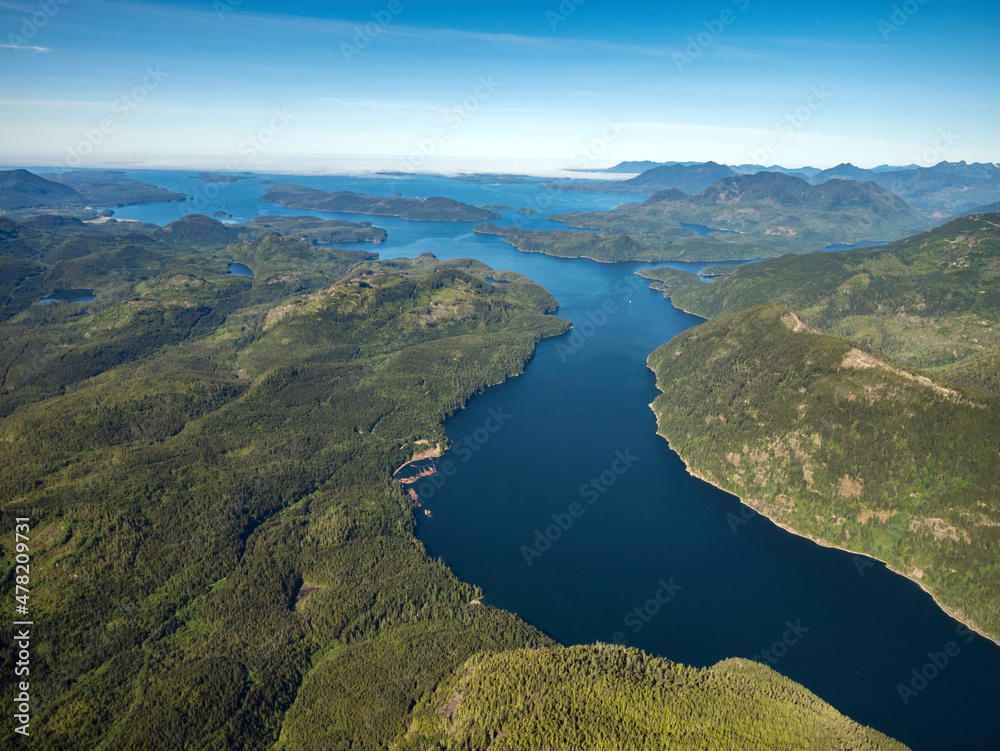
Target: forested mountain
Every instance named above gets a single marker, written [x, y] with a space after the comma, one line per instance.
[199, 452]
[863, 414]
[218, 553]
[114, 188]
[931, 301]
[20, 189]
[942, 190]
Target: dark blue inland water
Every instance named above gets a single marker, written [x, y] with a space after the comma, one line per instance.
[702, 230]
[568, 509]
[239, 269]
[70, 295]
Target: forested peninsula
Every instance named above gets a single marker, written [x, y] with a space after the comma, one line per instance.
[435, 209]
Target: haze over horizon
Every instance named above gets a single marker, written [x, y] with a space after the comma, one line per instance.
[534, 87]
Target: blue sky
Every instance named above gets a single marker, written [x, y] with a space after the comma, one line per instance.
[248, 85]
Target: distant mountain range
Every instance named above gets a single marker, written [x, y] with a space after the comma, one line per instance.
[750, 169]
[636, 167]
[945, 189]
[941, 191]
[846, 171]
[690, 178]
[742, 169]
[773, 213]
[976, 169]
[987, 209]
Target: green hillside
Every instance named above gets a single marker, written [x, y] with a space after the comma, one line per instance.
[931, 301]
[841, 445]
[619, 699]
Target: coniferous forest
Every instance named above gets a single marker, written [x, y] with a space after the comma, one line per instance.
[219, 556]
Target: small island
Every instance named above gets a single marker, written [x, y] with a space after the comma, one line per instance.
[223, 177]
[435, 209]
[493, 178]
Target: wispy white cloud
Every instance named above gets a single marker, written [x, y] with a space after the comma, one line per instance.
[477, 37]
[347, 28]
[545, 43]
[31, 47]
